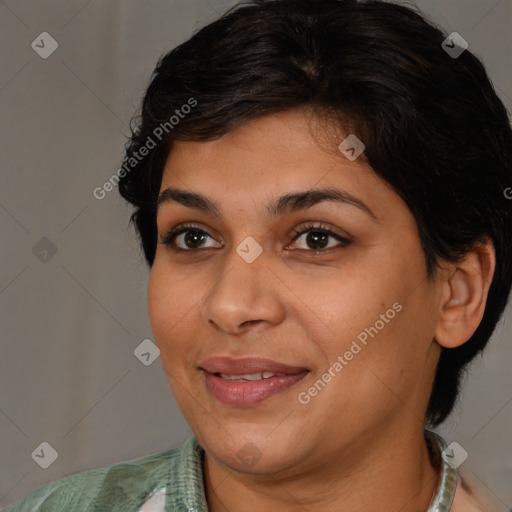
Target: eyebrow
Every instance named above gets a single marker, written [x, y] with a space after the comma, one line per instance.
[285, 204]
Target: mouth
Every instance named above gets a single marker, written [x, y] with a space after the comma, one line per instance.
[248, 377]
[248, 381]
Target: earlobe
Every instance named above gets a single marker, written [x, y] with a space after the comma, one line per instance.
[464, 295]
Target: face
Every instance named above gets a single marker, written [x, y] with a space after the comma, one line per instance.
[298, 275]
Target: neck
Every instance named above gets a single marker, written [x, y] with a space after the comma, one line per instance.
[393, 473]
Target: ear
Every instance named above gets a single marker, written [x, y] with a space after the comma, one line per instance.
[464, 289]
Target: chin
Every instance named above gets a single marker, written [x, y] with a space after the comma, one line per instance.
[248, 451]
[253, 459]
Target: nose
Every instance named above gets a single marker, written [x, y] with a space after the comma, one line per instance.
[244, 295]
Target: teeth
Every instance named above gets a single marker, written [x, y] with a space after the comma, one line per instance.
[247, 376]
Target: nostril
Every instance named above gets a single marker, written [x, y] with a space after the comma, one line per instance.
[250, 322]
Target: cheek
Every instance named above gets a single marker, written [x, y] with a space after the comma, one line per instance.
[174, 301]
[383, 308]
[170, 294]
[157, 300]
[169, 307]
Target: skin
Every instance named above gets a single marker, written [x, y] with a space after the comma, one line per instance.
[358, 444]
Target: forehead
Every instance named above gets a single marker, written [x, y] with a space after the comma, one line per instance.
[269, 157]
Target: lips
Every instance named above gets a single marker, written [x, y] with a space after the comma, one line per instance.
[248, 381]
[231, 366]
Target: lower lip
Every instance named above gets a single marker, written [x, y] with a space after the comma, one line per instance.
[249, 392]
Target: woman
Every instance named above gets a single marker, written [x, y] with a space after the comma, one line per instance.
[320, 188]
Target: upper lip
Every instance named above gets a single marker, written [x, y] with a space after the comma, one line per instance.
[233, 366]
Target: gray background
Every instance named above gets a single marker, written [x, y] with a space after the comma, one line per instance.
[70, 325]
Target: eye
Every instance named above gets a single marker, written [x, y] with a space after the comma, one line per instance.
[187, 237]
[316, 237]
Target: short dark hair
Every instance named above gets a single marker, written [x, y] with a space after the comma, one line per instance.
[433, 126]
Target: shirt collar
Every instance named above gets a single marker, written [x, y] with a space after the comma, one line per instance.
[186, 480]
[440, 453]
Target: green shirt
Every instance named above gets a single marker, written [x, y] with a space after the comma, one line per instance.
[170, 481]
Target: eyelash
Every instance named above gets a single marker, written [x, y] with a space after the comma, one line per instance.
[169, 239]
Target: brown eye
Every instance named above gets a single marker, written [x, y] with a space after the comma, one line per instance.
[317, 238]
[187, 238]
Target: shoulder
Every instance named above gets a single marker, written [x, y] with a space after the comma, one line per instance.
[121, 486]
